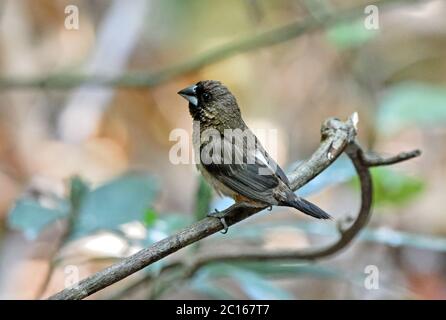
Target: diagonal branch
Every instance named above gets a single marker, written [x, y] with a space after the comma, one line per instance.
[362, 162]
[337, 137]
[250, 43]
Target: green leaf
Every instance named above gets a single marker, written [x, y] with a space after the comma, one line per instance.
[393, 188]
[350, 34]
[150, 217]
[124, 199]
[411, 103]
[30, 217]
[203, 200]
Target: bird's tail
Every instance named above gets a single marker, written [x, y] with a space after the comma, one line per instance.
[306, 207]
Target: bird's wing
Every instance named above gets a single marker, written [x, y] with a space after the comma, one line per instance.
[274, 166]
[249, 172]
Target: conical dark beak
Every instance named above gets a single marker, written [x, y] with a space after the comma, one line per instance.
[190, 94]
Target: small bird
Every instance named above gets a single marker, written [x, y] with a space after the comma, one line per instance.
[252, 178]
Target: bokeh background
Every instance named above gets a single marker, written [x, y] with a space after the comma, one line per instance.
[85, 176]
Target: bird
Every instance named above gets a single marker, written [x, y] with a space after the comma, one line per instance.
[243, 171]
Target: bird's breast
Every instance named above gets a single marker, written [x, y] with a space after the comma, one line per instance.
[219, 187]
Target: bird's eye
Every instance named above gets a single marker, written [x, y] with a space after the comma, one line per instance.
[206, 96]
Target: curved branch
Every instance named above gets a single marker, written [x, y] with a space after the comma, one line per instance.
[362, 163]
[374, 160]
[337, 137]
[353, 151]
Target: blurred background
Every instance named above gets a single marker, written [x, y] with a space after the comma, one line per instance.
[86, 112]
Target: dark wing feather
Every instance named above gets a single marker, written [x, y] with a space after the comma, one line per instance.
[245, 178]
[279, 171]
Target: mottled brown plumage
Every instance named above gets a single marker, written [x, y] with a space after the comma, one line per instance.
[220, 112]
[258, 182]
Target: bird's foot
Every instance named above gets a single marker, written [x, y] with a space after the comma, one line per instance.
[269, 208]
[221, 216]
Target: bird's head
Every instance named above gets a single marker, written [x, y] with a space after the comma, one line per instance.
[211, 102]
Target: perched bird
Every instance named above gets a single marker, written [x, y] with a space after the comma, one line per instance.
[243, 171]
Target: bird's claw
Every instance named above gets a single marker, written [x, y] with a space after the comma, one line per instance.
[225, 226]
[269, 208]
[221, 216]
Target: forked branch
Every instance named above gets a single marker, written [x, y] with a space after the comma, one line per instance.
[337, 137]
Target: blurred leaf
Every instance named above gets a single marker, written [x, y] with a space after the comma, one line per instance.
[150, 217]
[412, 103]
[350, 34]
[254, 286]
[171, 222]
[258, 288]
[319, 9]
[340, 171]
[386, 236]
[393, 188]
[390, 237]
[250, 276]
[155, 268]
[30, 217]
[290, 268]
[165, 225]
[78, 190]
[124, 199]
[202, 200]
[396, 238]
[211, 289]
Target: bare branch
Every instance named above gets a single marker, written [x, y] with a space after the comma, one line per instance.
[362, 162]
[356, 155]
[336, 136]
[374, 160]
[250, 43]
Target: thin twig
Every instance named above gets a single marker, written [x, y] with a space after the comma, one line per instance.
[76, 193]
[250, 43]
[374, 160]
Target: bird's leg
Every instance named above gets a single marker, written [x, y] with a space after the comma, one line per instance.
[221, 214]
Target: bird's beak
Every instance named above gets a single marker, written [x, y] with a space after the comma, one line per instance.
[190, 94]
